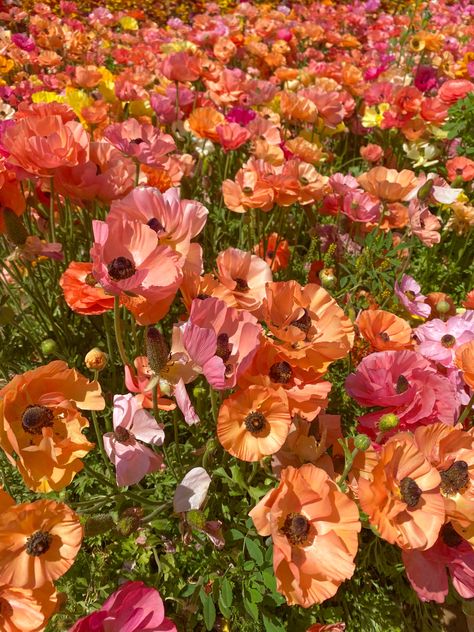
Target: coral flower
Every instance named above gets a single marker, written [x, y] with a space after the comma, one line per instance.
[232, 136]
[144, 143]
[39, 542]
[465, 362]
[23, 610]
[384, 330]
[277, 253]
[438, 339]
[251, 188]
[388, 184]
[403, 499]
[181, 66]
[428, 570]
[254, 423]
[41, 424]
[314, 530]
[134, 607]
[409, 294]
[81, 291]
[460, 167]
[203, 122]
[132, 425]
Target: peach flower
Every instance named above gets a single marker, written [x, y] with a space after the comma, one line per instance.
[23, 610]
[465, 362]
[388, 184]
[384, 330]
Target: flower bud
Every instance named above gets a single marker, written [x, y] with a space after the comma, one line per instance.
[15, 229]
[388, 422]
[129, 521]
[196, 519]
[362, 442]
[96, 359]
[425, 190]
[328, 278]
[443, 307]
[49, 347]
[157, 350]
[100, 523]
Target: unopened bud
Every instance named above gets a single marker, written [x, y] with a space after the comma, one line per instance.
[96, 359]
[49, 347]
[100, 523]
[443, 307]
[327, 278]
[388, 422]
[129, 521]
[362, 442]
[425, 190]
[157, 350]
[15, 229]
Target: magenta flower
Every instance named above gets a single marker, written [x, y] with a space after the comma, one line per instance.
[409, 295]
[21, 40]
[132, 424]
[404, 384]
[438, 340]
[134, 607]
[145, 143]
[428, 570]
[425, 78]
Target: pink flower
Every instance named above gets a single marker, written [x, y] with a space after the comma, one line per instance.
[128, 258]
[134, 607]
[361, 206]
[424, 224]
[232, 136]
[428, 570]
[438, 340]
[133, 460]
[145, 143]
[409, 295]
[404, 384]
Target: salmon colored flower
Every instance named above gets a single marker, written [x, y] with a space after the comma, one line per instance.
[389, 185]
[314, 530]
[403, 499]
[144, 143]
[41, 424]
[371, 152]
[384, 330]
[251, 188]
[465, 362]
[39, 542]
[296, 107]
[460, 167]
[232, 136]
[453, 90]
[137, 381]
[181, 66]
[254, 423]
[23, 610]
[81, 291]
[203, 122]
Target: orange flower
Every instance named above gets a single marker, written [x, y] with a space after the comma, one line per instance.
[384, 330]
[203, 122]
[277, 253]
[251, 188]
[465, 361]
[302, 148]
[38, 543]
[312, 328]
[254, 423]
[403, 499]
[296, 107]
[442, 305]
[23, 610]
[314, 529]
[388, 184]
[40, 424]
[81, 291]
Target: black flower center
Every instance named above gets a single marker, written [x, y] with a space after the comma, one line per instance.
[121, 434]
[241, 285]
[410, 492]
[448, 341]
[280, 372]
[402, 384]
[137, 141]
[303, 323]
[121, 268]
[90, 280]
[384, 335]
[410, 295]
[255, 422]
[202, 296]
[35, 418]
[455, 478]
[296, 528]
[224, 349]
[449, 536]
[38, 543]
[155, 225]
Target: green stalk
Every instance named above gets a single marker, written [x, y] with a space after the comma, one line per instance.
[118, 331]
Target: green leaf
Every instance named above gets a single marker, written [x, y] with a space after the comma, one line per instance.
[209, 609]
[251, 608]
[226, 592]
[271, 624]
[225, 610]
[255, 551]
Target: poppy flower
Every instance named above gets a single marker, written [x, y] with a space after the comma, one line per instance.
[403, 499]
[460, 167]
[203, 122]
[409, 294]
[144, 143]
[251, 188]
[438, 340]
[314, 530]
[132, 426]
[24, 610]
[384, 330]
[465, 362]
[254, 423]
[134, 607]
[41, 424]
[389, 185]
[277, 253]
[81, 291]
[181, 66]
[39, 542]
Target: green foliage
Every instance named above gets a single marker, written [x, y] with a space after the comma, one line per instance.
[460, 124]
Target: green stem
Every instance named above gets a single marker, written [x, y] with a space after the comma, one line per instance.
[118, 331]
[466, 411]
[51, 212]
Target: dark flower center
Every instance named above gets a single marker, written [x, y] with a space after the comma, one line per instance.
[241, 285]
[410, 492]
[296, 528]
[448, 341]
[202, 296]
[402, 385]
[303, 323]
[121, 434]
[90, 280]
[137, 141]
[255, 422]
[449, 536]
[223, 349]
[35, 418]
[270, 254]
[410, 295]
[155, 225]
[280, 372]
[455, 478]
[38, 543]
[384, 335]
[121, 268]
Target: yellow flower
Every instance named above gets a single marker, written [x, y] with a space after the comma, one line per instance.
[107, 85]
[178, 46]
[78, 100]
[45, 96]
[373, 116]
[140, 108]
[128, 23]
[5, 65]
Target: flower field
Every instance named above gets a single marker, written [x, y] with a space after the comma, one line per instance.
[236, 316]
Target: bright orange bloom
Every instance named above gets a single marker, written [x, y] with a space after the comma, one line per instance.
[39, 542]
[251, 188]
[384, 330]
[312, 328]
[277, 253]
[254, 423]
[23, 610]
[403, 499]
[81, 291]
[295, 107]
[388, 184]
[302, 148]
[468, 303]
[314, 529]
[465, 361]
[41, 426]
[203, 122]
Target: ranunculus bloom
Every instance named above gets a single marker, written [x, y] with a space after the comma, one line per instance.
[460, 167]
[134, 607]
[312, 330]
[81, 291]
[23, 610]
[314, 530]
[384, 330]
[454, 89]
[409, 295]
[39, 542]
[132, 425]
[438, 339]
[465, 362]
[144, 143]
[405, 384]
[402, 497]
[41, 424]
[181, 66]
[371, 152]
[428, 570]
[254, 423]
[277, 253]
[203, 122]
[388, 184]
